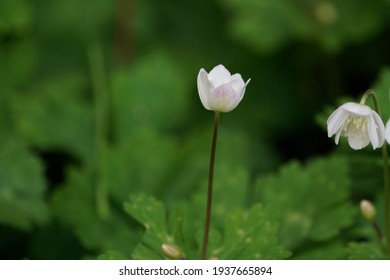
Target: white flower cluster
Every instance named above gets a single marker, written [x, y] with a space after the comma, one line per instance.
[360, 124]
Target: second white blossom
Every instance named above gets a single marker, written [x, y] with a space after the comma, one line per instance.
[359, 123]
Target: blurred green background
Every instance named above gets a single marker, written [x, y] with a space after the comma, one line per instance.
[98, 100]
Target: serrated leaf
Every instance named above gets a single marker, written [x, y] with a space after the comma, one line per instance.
[249, 235]
[152, 215]
[309, 202]
[240, 235]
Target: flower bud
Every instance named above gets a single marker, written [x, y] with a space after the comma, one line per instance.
[368, 210]
[172, 251]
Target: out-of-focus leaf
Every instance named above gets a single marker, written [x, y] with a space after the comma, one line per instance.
[75, 204]
[269, 25]
[152, 93]
[310, 203]
[112, 255]
[365, 251]
[18, 63]
[329, 251]
[15, 16]
[141, 164]
[22, 186]
[382, 89]
[54, 115]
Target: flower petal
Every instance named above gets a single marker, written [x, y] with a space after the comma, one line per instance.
[224, 99]
[219, 76]
[336, 121]
[237, 82]
[379, 130]
[387, 135]
[203, 88]
[358, 141]
[373, 133]
[357, 109]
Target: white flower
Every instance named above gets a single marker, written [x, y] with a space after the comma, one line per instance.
[219, 90]
[359, 123]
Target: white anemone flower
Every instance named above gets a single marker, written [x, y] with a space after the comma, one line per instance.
[359, 123]
[219, 90]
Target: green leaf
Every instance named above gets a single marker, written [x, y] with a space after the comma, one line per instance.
[152, 215]
[152, 93]
[243, 235]
[77, 206]
[54, 115]
[146, 168]
[310, 203]
[22, 186]
[334, 250]
[381, 87]
[15, 16]
[267, 26]
[112, 255]
[249, 235]
[365, 251]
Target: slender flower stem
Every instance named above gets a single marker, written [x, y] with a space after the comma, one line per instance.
[210, 188]
[377, 230]
[386, 176]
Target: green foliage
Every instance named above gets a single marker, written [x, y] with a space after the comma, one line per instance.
[268, 25]
[98, 103]
[310, 203]
[22, 186]
[77, 207]
[244, 235]
[365, 251]
[153, 93]
[381, 87]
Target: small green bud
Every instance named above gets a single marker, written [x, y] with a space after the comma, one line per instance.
[172, 251]
[368, 210]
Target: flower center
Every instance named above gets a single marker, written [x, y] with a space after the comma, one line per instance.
[356, 124]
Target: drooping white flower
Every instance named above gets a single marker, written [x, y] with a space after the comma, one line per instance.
[359, 123]
[219, 90]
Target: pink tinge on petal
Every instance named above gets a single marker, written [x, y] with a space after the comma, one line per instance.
[224, 99]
